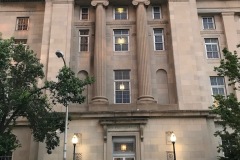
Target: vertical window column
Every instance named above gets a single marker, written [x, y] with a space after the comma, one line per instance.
[122, 86]
[83, 40]
[143, 57]
[100, 53]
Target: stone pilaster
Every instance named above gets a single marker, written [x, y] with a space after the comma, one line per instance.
[143, 56]
[231, 36]
[100, 53]
[193, 86]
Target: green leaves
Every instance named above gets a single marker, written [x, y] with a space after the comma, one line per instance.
[228, 109]
[21, 96]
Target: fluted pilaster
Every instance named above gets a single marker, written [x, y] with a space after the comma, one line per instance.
[100, 53]
[143, 57]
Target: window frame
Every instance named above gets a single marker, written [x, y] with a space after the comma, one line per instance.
[154, 39]
[114, 12]
[121, 36]
[123, 81]
[223, 86]
[213, 22]
[21, 26]
[124, 140]
[160, 12]
[79, 40]
[81, 13]
[212, 43]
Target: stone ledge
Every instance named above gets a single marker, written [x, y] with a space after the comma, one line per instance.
[143, 114]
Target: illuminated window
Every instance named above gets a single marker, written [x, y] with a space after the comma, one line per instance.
[121, 39]
[208, 23]
[156, 12]
[124, 148]
[158, 39]
[122, 86]
[22, 23]
[212, 48]
[120, 13]
[84, 13]
[83, 40]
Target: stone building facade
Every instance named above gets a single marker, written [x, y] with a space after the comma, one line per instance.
[153, 64]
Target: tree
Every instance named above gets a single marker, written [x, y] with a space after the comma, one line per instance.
[21, 97]
[228, 108]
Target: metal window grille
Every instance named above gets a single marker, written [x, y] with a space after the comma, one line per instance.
[156, 13]
[84, 13]
[158, 39]
[22, 23]
[83, 40]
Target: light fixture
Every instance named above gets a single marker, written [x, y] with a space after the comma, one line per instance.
[173, 139]
[121, 40]
[74, 141]
[59, 54]
[123, 147]
[120, 10]
[122, 87]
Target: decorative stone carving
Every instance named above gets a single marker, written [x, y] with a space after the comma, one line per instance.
[136, 2]
[95, 3]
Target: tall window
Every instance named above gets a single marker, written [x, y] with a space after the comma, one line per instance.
[158, 39]
[208, 23]
[218, 85]
[124, 148]
[121, 39]
[6, 157]
[83, 40]
[120, 13]
[20, 41]
[22, 23]
[212, 48]
[156, 12]
[84, 13]
[122, 86]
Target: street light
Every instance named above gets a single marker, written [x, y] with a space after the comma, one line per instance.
[74, 141]
[173, 140]
[60, 55]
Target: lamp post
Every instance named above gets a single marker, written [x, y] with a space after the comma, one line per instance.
[74, 141]
[60, 55]
[173, 140]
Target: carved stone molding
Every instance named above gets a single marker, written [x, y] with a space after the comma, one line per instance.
[228, 13]
[103, 2]
[123, 125]
[83, 23]
[157, 22]
[170, 155]
[121, 23]
[136, 2]
[211, 32]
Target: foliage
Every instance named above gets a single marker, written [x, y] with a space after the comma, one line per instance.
[21, 97]
[228, 108]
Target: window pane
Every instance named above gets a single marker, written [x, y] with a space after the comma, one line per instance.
[157, 16]
[158, 38]
[159, 46]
